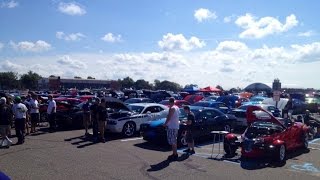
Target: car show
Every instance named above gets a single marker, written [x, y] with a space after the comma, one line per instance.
[170, 89]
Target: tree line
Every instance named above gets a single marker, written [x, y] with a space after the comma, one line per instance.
[13, 80]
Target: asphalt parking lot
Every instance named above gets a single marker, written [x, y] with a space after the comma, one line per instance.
[68, 155]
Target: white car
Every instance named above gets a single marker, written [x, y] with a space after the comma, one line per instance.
[128, 122]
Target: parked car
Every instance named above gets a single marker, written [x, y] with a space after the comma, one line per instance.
[211, 98]
[206, 120]
[179, 103]
[138, 100]
[267, 136]
[193, 98]
[128, 121]
[241, 112]
[213, 104]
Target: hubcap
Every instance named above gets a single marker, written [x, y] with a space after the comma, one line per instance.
[282, 152]
[129, 129]
[306, 143]
[227, 128]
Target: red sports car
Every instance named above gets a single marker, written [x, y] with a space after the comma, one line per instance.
[267, 136]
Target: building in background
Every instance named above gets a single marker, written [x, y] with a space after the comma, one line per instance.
[55, 83]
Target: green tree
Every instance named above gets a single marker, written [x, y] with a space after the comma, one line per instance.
[219, 87]
[142, 84]
[169, 86]
[9, 80]
[127, 82]
[90, 77]
[77, 77]
[30, 80]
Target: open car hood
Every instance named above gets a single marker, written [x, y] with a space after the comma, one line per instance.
[256, 113]
[115, 103]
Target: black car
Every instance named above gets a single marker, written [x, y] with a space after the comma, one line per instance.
[206, 120]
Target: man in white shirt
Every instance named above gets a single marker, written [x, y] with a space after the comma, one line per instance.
[172, 123]
[20, 115]
[51, 111]
[34, 112]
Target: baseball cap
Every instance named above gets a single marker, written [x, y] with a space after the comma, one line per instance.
[17, 99]
[3, 100]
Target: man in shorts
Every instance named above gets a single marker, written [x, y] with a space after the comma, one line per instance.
[172, 124]
[5, 121]
[189, 128]
[86, 116]
[34, 112]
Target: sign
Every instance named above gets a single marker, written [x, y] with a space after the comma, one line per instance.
[276, 95]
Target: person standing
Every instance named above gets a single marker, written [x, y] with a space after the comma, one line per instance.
[93, 111]
[20, 115]
[172, 124]
[34, 112]
[86, 116]
[189, 128]
[25, 101]
[5, 121]
[102, 116]
[51, 111]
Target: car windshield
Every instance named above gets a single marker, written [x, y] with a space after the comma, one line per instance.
[135, 108]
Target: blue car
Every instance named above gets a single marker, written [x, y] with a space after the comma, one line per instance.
[206, 120]
[213, 104]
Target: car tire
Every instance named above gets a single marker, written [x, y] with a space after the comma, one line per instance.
[43, 117]
[129, 129]
[229, 149]
[305, 141]
[227, 127]
[281, 154]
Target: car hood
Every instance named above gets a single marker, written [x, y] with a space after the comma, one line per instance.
[256, 113]
[115, 103]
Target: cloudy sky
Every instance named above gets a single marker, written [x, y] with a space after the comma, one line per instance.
[226, 42]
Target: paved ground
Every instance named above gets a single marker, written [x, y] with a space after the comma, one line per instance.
[67, 155]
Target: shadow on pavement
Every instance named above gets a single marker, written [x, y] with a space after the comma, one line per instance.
[154, 146]
[166, 163]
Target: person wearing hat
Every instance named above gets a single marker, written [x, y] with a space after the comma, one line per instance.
[20, 115]
[5, 121]
[51, 111]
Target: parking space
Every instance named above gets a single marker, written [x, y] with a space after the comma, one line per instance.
[298, 161]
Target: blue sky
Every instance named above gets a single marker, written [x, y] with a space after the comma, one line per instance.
[225, 42]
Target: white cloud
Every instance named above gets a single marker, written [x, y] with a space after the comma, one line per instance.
[27, 46]
[69, 37]
[1, 45]
[229, 64]
[172, 42]
[306, 34]
[228, 19]
[259, 28]
[9, 4]
[204, 14]
[307, 52]
[231, 46]
[73, 9]
[109, 37]
[75, 64]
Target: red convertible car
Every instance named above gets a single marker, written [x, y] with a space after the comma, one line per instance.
[267, 136]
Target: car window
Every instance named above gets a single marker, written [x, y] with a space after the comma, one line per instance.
[209, 114]
[153, 109]
[137, 109]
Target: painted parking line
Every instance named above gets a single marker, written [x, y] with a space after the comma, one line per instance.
[131, 139]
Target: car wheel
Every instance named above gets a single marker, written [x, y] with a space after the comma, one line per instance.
[281, 153]
[43, 117]
[227, 127]
[305, 141]
[229, 149]
[129, 129]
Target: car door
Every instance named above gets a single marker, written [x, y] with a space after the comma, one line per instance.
[209, 121]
